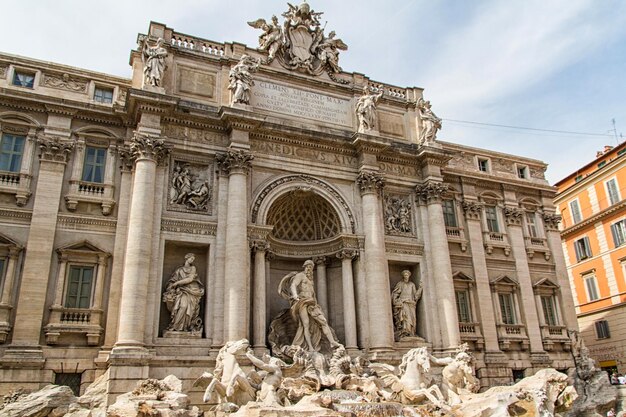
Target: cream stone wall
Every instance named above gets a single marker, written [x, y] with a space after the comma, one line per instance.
[254, 158]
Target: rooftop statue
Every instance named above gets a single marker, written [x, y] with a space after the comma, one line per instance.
[300, 44]
[366, 108]
[240, 77]
[430, 122]
[153, 58]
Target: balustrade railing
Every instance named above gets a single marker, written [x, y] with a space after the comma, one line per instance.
[196, 44]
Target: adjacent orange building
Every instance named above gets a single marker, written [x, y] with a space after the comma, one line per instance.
[592, 203]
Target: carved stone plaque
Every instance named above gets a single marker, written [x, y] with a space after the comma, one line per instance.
[196, 82]
[298, 103]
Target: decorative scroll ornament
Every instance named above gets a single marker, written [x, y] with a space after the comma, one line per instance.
[513, 216]
[552, 221]
[430, 123]
[147, 147]
[431, 191]
[240, 77]
[472, 209]
[54, 149]
[234, 160]
[125, 156]
[370, 182]
[397, 215]
[346, 254]
[300, 43]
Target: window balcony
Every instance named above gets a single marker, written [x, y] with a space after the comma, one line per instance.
[512, 333]
[493, 240]
[16, 183]
[89, 192]
[555, 334]
[66, 321]
[537, 244]
[457, 235]
[471, 332]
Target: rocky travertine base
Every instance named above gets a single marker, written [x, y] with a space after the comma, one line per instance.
[596, 395]
[50, 401]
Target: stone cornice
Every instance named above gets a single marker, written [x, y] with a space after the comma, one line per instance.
[365, 143]
[495, 183]
[593, 219]
[431, 191]
[370, 182]
[54, 149]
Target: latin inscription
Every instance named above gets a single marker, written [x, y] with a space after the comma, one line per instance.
[282, 99]
[271, 148]
[402, 170]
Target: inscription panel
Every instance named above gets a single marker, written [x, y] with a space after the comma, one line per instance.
[278, 98]
[279, 149]
[192, 81]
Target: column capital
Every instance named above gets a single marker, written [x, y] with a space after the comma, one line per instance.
[513, 216]
[320, 260]
[54, 149]
[125, 157]
[258, 245]
[472, 209]
[149, 147]
[14, 251]
[431, 191]
[234, 160]
[347, 254]
[370, 182]
[551, 221]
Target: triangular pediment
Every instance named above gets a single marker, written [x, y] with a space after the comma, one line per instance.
[83, 246]
[504, 279]
[546, 283]
[7, 241]
[460, 276]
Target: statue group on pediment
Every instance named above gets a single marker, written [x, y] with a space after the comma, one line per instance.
[300, 43]
[188, 189]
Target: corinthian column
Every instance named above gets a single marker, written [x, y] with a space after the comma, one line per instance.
[147, 152]
[349, 308]
[236, 271]
[376, 273]
[321, 284]
[259, 318]
[34, 282]
[430, 193]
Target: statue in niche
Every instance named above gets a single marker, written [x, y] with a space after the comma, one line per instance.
[153, 58]
[240, 77]
[430, 123]
[182, 297]
[397, 215]
[304, 322]
[404, 297]
[366, 108]
[272, 38]
[186, 189]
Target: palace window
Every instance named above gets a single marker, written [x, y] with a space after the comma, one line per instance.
[522, 172]
[582, 249]
[103, 95]
[463, 306]
[79, 286]
[23, 79]
[483, 165]
[591, 284]
[449, 213]
[618, 230]
[507, 308]
[93, 168]
[612, 191]
[531, 225]
[548, 305]
[602, 329]
[575, 208]
[11, 151]
[491, 215]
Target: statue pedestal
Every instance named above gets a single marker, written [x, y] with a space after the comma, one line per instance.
[170, 334]
[153, 89]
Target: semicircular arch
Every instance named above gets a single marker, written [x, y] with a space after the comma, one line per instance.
[274, 189]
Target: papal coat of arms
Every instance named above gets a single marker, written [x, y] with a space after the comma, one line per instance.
[300, 43]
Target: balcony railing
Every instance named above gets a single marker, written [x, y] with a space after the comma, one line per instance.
[64, 320]
[453, 231]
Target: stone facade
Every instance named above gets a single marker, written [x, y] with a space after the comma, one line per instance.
[287, 177]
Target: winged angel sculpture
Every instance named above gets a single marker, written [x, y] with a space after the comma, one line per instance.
[300, 43]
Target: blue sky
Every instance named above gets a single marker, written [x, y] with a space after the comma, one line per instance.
[552, 64]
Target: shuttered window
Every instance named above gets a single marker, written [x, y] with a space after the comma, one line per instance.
[79, 287]
[531, 225]
[575, 208]
[612, 191]
[507, 308]
[463, 307]
[582, 249]
[549, 310]
[592, 287]
[602, 329]
[491, 215]
[449, 213]
[618, 230]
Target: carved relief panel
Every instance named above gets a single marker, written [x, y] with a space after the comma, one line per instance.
[190, 187]
[398, 215]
